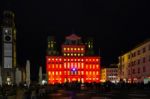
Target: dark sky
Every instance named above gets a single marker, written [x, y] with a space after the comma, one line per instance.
[115, 25]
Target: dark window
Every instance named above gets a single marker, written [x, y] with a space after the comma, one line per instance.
[143, 59]
[138, 70]
[138, 52]
[138, 61]
[144, 69]
[133, 71]
[144, 49]
[128, 56]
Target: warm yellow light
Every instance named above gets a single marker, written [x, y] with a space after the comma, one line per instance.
[82, 49]
[78, 54]
[75, 49]
[64, 54]
[68, 54]
[75, 54]
[71, 49]
[71, 54]
[60, 73]
[78, 49]
[56, 65]
[49, 73]
[68, 49]
[56, 73]
[81, 54]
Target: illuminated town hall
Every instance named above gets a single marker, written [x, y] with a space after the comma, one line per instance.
[76, 62]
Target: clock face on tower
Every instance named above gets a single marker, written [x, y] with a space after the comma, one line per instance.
[7, 35]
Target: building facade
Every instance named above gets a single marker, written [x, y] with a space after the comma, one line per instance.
[134, 66]
[8, 47]
[76, 62]
[109, 74]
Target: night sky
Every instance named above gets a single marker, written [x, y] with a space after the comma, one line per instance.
[115, 25]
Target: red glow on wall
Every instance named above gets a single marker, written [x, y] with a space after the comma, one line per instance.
[68, 69]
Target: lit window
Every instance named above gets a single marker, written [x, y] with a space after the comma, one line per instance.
[71, 54]
[64, 59]
[79, 65]
[86, 59]
[60, 72]
[64, 65]
[86, 73]
[97, 66]
[68, 72]
[64, 49]
[71, 59]
[75, 60]
[68, 49]
[60, 59]
[93, 66]
[82, 49]
[97, 73]
[87, 66]
[82, 73]
[56, 65]
[68, 54]
[71, 49]
[49, 59]
[79, 72]
[52, 65]
[56, 59]
[81, 54]
[64, 54]
[96, 59]
[75, 54]
[49, 73]
[90, 73]
[78, 59]
[52, 73]
[60, 65]
[94, 73]
[53, 59]
[75, 49]
[56, 73]
[68, 59]
[90, 66]
[82, 60]
[78, 54]
[93, 59]
[82, 65]
[78, 49]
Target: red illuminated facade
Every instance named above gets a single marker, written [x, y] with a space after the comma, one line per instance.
[76, 62]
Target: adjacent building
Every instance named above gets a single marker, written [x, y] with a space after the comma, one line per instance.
[134, 65]
[110, 74]
[76, 62]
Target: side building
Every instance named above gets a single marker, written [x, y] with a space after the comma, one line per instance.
[134, 65]
[74, 63]
[110, 74]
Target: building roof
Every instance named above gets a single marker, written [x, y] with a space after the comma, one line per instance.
[73, 37]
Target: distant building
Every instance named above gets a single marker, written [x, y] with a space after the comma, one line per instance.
[76, 62]
[8, 47]
[110, 74]
[134, 65]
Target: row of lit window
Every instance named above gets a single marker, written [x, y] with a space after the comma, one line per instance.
[71, 54]
[54, 59]
[92, 73]
[73, 59]
[55, 66]
[75, 65]
[59, 59]
[92, 78]
[71, 49]
[77, 72]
